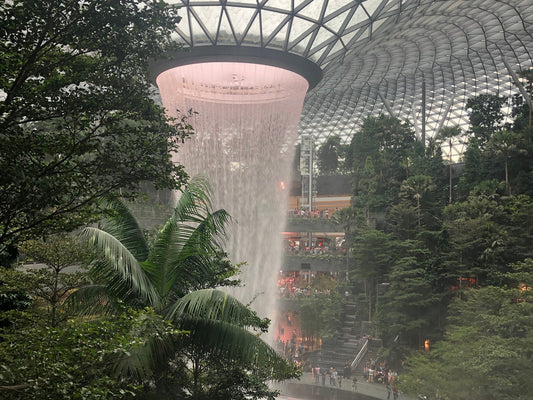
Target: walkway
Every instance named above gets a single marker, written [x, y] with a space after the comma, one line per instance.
[374, 390]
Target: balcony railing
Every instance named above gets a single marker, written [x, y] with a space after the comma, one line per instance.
[330, 262]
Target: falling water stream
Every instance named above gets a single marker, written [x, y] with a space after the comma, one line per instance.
[245, 128]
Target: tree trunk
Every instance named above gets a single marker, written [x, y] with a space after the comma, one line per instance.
[507, 184]
[450, 192]
[418, 210]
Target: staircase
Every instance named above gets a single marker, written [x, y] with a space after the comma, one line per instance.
[339, 351]
[372, 353]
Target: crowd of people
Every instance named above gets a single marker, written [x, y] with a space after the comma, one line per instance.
[373, 373]
[291, 287]
[379, 373]
[293, 248]
[316, 213]
[298, 247]
[332, 377]
[290, 349]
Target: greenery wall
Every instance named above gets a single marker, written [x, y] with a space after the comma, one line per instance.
[453, 253]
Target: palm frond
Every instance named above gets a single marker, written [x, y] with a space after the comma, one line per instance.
[192, 273]
[194, 201]
[156, 344]
[119, 269]
[210, 232]
[236, 343]
[182, 254]
[212, 304]
[165, 254]
[91, 300]
[197, 259]
[123, 226]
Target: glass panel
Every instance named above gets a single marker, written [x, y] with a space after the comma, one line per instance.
[334, 5]
[300, 27]
[225, 33]
[209, 17]
[245, 2]
[280, 4]
[372, 5]
[240, 18]
[323, 35]
[280, 38]
[336, 23]
[300, 46]
[312, 10]
[254, 33]
[359, 16]
[346, 38]
[199, 35]
[271, 20]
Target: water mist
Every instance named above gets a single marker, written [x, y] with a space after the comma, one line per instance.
[245, 129]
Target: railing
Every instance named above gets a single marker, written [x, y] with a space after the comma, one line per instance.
[359, 355]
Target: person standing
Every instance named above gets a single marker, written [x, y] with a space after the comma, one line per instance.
[347, 370]
[354, 383]
[389, 391]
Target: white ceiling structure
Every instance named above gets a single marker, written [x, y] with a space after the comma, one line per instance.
[379, 56]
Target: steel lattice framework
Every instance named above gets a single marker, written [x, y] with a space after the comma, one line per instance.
[419, 60]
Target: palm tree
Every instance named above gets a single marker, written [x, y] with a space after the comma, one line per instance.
[170, 276]
[328, 155]
[503, 145]
[416, 186]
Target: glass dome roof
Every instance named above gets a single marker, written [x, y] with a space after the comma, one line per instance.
[379, 56]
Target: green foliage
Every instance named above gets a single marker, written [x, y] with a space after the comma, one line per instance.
[487, 351]
[330, 156]
[52, 283]
[521, 112]
[76, 360]
[409, 307]
[372, 253]
[14, 295]
[503, 146]
[379, 158]
[175, 275]
[474, 171]
[414, 188]
[488, 233]
[77, 117]
[320, 315]
[405, 273]
[203, 375]
[485, 113]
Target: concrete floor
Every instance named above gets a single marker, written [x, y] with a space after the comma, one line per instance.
[364, 390]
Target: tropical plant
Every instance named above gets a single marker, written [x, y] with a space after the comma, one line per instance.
[329, 154]
[65, 259]
[77, 359]
[504, 145]
[77, 115]
[485, 116]
[170, 276]
[487, 352]
[415, 187]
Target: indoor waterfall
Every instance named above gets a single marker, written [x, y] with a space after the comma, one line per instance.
[245, 124]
